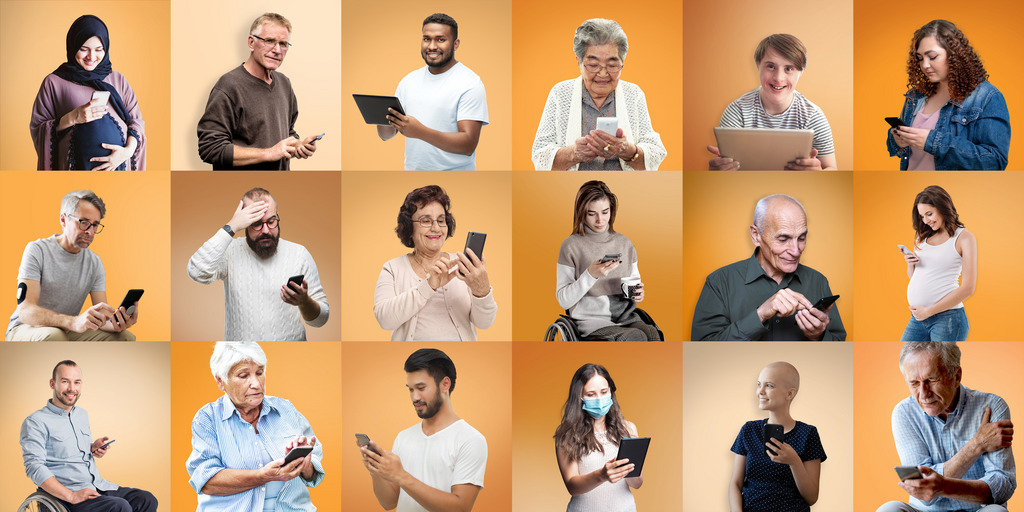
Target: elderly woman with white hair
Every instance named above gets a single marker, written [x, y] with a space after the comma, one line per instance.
[568, 137]
[240, 442]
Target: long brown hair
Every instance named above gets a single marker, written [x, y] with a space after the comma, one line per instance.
[589, 192]
[938, 198]
[965, 70]
[575, 435]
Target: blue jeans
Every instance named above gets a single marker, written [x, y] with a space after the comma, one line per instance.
[950, 325]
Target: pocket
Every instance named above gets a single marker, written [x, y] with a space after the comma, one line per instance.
[965, 117]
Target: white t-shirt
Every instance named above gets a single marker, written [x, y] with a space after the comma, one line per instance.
[440, 102]
[453, 456]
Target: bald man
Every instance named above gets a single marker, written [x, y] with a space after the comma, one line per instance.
[769, 296]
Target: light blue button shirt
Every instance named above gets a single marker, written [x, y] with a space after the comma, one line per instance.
[58, 443]
[221, 439]
[923, 440]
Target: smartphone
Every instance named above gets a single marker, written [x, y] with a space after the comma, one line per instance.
[297, 280]
[609, 125]
[364, 440]
[825, 302]
[908, 472]
[895, 122]
[318, 137]
[475, 241]
[297, 452]
[106, 444]
[103, 96]
[130, 299]
[772, 431]
[611, 257]
[904, 250]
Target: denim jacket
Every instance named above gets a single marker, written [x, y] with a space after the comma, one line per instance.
[971, 135]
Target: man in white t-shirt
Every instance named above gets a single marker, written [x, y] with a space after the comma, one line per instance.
[437, 464]
[445, 104]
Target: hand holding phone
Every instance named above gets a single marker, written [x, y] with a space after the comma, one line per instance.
[824, 302]
[776, 432]
[364, 440]
[908, 472]
[908, 254]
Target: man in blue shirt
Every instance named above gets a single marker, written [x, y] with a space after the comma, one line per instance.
[60, 454]
[958, 438]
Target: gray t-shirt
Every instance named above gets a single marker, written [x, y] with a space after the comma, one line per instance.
[65, 279]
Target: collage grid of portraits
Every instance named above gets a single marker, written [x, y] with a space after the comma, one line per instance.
[341, 202]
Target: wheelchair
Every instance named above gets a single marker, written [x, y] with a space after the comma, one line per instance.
[564, 329]
[41, 501]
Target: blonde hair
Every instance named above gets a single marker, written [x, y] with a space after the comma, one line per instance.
[272, 18]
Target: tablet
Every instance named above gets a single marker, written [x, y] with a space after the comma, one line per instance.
[763, 149]
[634, 449]
[375, 108]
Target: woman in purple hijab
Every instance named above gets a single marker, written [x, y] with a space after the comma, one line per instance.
[86, 116]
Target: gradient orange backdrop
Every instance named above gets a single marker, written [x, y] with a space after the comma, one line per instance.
[543, 57]
[369, 209]
[884, 202]
[379, 49]
[719, 55]
[718, 398]
[647, 378]
[375, 402]
[204, 202]
[992, 367]
[882, 40]
[718, 209]
[208, 45]
[35, 32]
[649, 213]
[124, 390]
[306, 374]
[133, 246]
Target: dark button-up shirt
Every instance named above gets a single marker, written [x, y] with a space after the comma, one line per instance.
[727, 308]
[58, 443]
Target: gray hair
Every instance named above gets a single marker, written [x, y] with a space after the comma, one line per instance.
[948, 352]
[599, 31]
[761, 209]
[69, 205]
[229, 353]
[271, 18]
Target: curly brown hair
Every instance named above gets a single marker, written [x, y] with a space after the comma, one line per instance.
[965, 68]
[418, 199]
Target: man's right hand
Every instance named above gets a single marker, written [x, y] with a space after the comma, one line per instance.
[285, 148]
[83, 495]
[785, 302]
[92, 318]
[245, 216]
[993, 436]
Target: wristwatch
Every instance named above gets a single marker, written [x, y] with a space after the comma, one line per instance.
[227, 227]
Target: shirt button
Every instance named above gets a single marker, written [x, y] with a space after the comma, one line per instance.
[964, 120]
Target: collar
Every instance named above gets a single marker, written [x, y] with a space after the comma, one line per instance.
[57, 410]
[754, 271]
[597, 237]
[227, 408]
[589, 101]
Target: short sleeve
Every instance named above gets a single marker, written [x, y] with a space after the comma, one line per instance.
[812, 447]
[472, 462]
[31, 263]
[732, 117]
[739, 447]
[473, 104]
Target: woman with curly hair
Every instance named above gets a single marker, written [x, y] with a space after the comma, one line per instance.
[954, 119]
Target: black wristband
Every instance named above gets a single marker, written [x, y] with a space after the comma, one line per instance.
[227, 227]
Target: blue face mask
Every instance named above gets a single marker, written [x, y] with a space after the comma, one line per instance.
[597, 407]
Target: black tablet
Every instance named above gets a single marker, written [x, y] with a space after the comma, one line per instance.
[375, 108]
[634, 449]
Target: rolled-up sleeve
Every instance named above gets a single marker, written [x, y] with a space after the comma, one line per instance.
[33, 451]
[1000, 469]
[205, 460]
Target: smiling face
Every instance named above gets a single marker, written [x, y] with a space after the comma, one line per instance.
[933, 59]
[429, 239]
[426, 395]
[67, 387]
[930, 216]
[600, 83]
[779, 77]
[775, 387]
[437, 47]
[599, 212]
[783, 239]
[90, 54]
[245, 386]
[267, 56]
[934, 392]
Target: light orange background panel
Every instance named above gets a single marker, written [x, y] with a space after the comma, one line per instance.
[649, 213]
[992, 367]
[380, 47]
[134, 245]
[719, 398]
[125, 391]
[306, 374]
[884, 202]
[882, 41]
[719, 56]
[35, 34]
[375, 402]
[209, 39]
[204, 202]
[543, 57]
[647, 378]
[369, 209]
[718, 209]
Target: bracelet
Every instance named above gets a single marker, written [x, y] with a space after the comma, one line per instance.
[635, 155]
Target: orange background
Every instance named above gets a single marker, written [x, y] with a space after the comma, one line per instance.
[882, 39]
[134, 245]
[375, 402]
[647, 377]
[718, 209]
[379, 49]
[124, 390]
[719, 54]
[306, 374]
[203, 202]
[991, 367]
[543, 57]
[718, 399]
[882, 212]
[369, 209]
[34, 33]
[209, 39]
[649, 214]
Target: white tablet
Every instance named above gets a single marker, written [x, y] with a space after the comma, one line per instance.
[763, 149]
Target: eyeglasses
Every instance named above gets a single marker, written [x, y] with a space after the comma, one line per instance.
[272, 223]
[85, 224]
[426, 222]
[274, 42]
[594, 67]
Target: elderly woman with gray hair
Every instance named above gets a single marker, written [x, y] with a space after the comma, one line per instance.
[568, 137]
[241, 443]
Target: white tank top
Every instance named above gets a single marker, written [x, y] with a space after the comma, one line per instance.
[937, 274]
[607, 497]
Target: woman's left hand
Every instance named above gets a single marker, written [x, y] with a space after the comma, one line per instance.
[913, 137]
[474, 273]
[611, 147]
[921, 313]
[786, 454]
[638, 294]
[118, 155]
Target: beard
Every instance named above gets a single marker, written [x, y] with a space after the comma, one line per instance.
[431, 409]
[263, 250]
[62, 399]
[445, 59]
